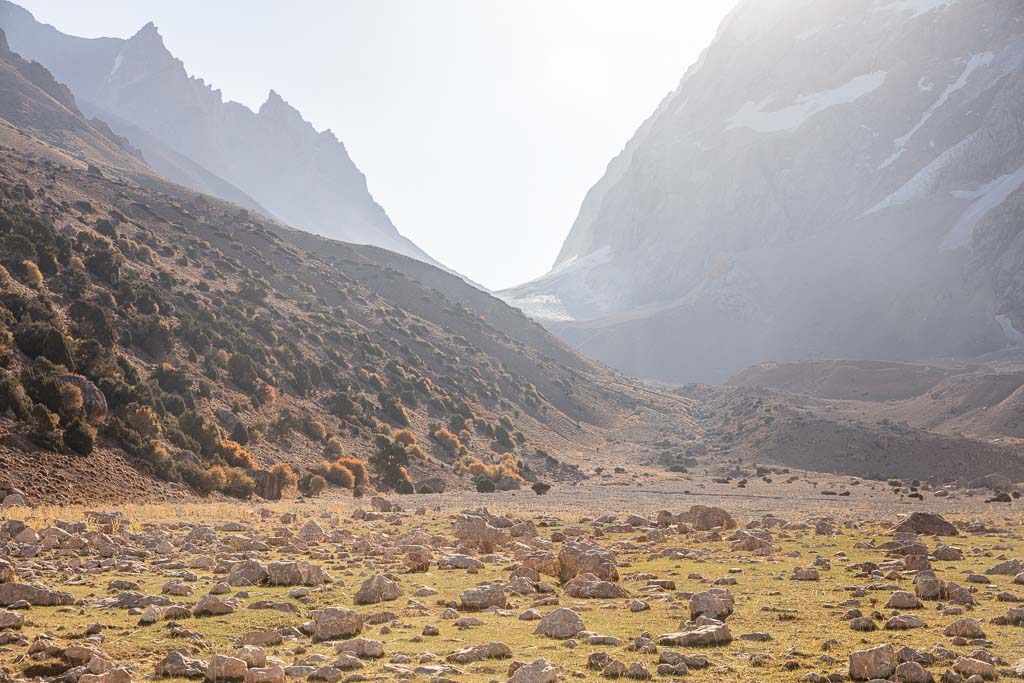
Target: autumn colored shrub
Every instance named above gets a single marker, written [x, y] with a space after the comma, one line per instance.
[449, 442]
[31, 274]
[337, 474]
[284, 474]
[357, 468]
[405, 437]
[235, 455]
[237, 483]
[143, 420]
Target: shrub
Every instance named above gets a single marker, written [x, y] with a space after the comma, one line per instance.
[284, 474]
[312, 485]
[143, 420]
[6, 345]
[13, 396]
[80, 436]
[72, 405]
[337, 474]
[42, 339]
[234, 455]
[154, 453]
[390, 460]
[357, 468]
[242, 369]
[30, 272]
[449, 442]
[335, 448]
[237, 483]
[405, 437]
[315, 430]
[204, 481]
[45, 431]
[485, 486]
[394, 409]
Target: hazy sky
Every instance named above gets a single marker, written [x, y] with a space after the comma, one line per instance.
[480, 124]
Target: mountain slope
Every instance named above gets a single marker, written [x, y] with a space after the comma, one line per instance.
[271, 158]
[209, 344]
[821, 183]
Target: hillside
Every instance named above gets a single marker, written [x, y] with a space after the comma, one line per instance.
[209, 341]
[836, 179]
[271, 160]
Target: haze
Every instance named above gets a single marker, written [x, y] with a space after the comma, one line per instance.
[479, 125]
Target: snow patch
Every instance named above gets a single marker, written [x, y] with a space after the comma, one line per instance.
[117, 65]
[989, 197]
[973, 64]
[1013, 335]
[915, 7]
[924, 86]
[925, 181]
[569, 277]
[790, 118]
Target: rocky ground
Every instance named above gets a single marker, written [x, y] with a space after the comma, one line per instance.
[591, 582]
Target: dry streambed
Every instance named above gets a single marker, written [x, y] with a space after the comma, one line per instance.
[276, 594]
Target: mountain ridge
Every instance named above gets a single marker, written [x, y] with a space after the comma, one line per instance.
[270, 160]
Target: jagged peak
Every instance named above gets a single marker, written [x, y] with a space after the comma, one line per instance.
[148, 34]
[4, 47]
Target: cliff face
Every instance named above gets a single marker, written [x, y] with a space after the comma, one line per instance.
[811, 188]
[271, 160]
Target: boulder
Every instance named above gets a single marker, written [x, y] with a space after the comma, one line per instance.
[476, 653]
[707, 633]
[363, 648]
[11, 593]
[965, 628]
[926, 523]
[705, 518]
[561, 623]
[587, 586]
[716, 603]
[178, 664]
[335, 623]
[579, 558]
[224, 668]
[481, 598]
[537, 671]
[873, 663]
[376, 589]
[296, 574]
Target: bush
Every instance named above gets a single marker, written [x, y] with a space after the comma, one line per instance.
[485, 486]
[449, 442]
[80, 436]
[31, 274]
[203, 481]
[357, 468]
[13, 396]
[394, 409]
[237, 483]
[45, 432]
[143, 420]
[284, 474]
[337, 474]
[335, 448]
[72, 405]
[312, 485]
[405, 437]
[45, 340]
[315, 430]
[234, 455]
[390, 461]
[243, 371]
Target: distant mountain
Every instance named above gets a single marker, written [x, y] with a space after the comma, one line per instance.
[833, 178]
[272, 160]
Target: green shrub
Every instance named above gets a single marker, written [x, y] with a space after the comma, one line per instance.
[80, 436]
[13, 396]
[238, 484]
[45, 431]
[312, 485]
[43, 339]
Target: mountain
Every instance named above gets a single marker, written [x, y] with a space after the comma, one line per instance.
[155, 342]
[832, 178]
[272, 160]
